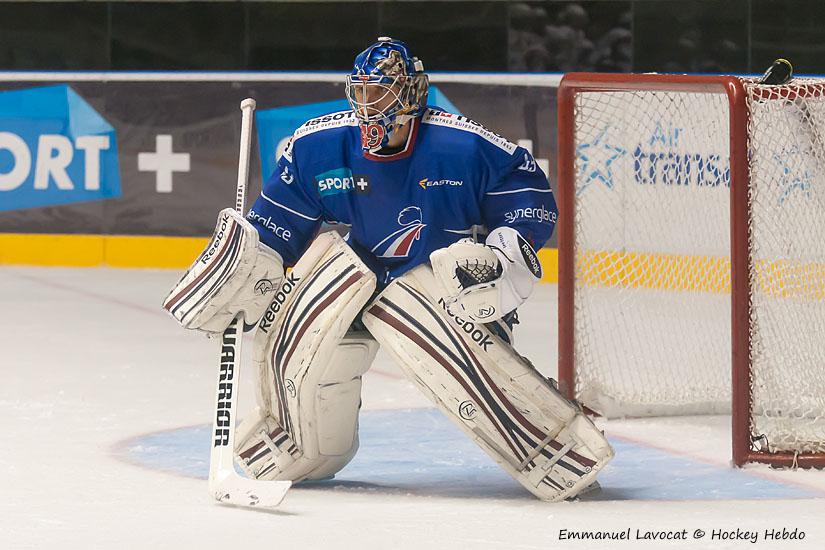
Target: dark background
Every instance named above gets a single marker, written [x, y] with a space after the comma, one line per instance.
[738, 36]
[733, 36]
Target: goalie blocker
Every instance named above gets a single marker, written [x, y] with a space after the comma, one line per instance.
[235, 273]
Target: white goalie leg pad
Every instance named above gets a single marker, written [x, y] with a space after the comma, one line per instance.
[235, 273]
[267, 451]
[492, 393]
[306, 425]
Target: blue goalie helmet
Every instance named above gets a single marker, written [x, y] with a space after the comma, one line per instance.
[386, 89]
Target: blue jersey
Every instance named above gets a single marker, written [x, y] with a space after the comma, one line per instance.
[452, 177]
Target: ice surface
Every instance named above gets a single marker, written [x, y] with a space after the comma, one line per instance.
[105, 404]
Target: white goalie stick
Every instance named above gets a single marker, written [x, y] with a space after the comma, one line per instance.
[225, 484]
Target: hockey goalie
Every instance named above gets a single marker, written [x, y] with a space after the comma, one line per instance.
[413, 185]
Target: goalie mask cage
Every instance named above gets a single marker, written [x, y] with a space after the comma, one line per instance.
[692, 254]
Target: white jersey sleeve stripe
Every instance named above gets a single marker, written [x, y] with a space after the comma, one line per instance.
[519, 191]
[460, 122]
[279, 205]
[325, 122]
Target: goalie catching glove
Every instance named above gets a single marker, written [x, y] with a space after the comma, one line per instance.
[235, 273]
[484, 282]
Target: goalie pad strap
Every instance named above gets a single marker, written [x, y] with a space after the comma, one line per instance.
[273, 442]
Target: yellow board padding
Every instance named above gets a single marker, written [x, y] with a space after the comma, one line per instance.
[51, 250]
[99, 250]
[160, 252]
[783, 278]
[141, 252]
[549, 258]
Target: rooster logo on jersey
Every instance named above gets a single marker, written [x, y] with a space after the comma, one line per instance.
[399, 243]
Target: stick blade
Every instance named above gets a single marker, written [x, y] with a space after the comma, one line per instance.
[240, 491]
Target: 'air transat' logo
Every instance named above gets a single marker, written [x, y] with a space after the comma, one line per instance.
[399, 243]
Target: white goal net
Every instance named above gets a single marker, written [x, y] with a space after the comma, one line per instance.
[652, 261]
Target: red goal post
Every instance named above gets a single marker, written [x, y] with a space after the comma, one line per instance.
[626, 271]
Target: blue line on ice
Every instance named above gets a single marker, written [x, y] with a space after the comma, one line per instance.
[419, 452]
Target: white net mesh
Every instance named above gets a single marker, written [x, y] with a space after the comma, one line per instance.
[787, 201]
[652, 253]
[652, 266]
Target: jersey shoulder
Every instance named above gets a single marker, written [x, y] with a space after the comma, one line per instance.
[324, 134]
[464, 131]
[326, 126]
